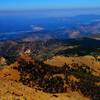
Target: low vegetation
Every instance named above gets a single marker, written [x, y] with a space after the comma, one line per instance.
[52, 79]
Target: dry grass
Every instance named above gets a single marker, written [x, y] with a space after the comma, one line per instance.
[87, 60]
[12, 89]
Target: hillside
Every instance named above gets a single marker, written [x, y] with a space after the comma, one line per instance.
[17, 91]
[29, 79]
[90, 61]
[34, 70]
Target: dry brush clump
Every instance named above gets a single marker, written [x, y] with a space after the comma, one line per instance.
[87, 81]
[54, 85]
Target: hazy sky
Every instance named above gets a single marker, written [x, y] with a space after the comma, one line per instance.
[47, 4]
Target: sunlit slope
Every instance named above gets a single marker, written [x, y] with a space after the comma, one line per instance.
[12, 89]
[90, 61]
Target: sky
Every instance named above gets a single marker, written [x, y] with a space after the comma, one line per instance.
[47, 4]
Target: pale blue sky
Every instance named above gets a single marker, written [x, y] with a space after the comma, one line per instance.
[47, 4]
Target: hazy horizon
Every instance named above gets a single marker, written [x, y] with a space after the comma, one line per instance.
[47, 4]
[54, 12]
